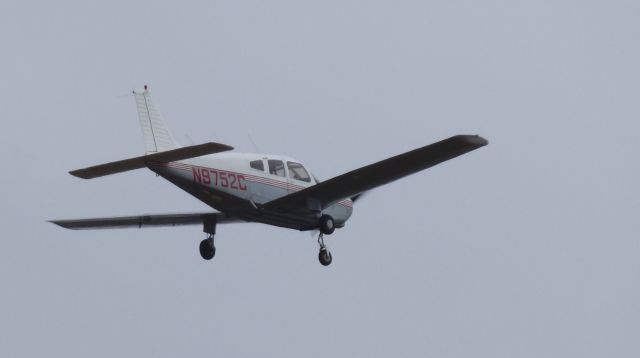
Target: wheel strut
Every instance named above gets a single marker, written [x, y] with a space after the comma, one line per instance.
[321, 241]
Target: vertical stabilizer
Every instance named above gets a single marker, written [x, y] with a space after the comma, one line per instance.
[157, 137]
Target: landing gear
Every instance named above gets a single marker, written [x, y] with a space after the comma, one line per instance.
[324, 256]
[207, 247]
[327, 226]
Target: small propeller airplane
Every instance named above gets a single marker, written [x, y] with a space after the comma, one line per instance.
[262, 188]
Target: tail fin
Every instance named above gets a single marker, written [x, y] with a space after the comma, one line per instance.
[157, 137]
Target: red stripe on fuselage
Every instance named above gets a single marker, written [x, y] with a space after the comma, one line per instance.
[251, 178]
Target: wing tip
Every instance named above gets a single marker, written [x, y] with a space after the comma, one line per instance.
[80, 173]
[480, 141]
[473, 139]
[59, 223]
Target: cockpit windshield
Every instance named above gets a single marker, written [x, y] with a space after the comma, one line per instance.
[297, 171]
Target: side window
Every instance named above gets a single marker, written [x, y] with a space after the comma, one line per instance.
[276, 167]
[297, 171]
[257, 164]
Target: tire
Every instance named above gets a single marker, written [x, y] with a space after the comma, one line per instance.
[325, 258]
[207, 249]
[327, 225]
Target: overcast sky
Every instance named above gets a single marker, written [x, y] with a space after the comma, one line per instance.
[528, 247]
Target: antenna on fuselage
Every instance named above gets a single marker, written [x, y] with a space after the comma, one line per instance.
[189, 139]
[254, 143]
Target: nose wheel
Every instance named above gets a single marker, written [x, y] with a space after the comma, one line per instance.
[324, 256]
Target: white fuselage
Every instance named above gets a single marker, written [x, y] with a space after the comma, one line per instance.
[226, 181]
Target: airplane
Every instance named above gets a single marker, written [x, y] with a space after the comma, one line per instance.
[260, 188]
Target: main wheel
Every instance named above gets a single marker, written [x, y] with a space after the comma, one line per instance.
[207, 249]
[327, 226]
[325, 257]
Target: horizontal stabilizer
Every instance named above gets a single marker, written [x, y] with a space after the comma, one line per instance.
[141, 162]
[144, 221]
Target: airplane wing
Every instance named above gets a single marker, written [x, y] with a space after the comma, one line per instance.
[371, 176]
[145, 221]
[141, 161]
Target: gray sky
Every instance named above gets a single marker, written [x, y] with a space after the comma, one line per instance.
[525, 248]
